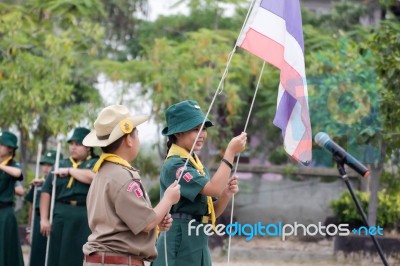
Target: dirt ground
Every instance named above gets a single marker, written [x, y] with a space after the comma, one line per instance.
[292, 252]
[275, 252]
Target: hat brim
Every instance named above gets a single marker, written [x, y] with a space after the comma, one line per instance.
[9, 144]
[185, 127]
[74, 139]
[91, 140]
[47, 161]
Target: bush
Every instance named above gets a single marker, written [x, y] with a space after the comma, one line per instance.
[388, 213]
[154, 194]
[278, 156]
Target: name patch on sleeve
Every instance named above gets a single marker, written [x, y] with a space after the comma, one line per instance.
[133, 186]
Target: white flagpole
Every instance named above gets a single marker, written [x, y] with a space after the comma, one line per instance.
[38, 157]
[238, 157]
[53, 197]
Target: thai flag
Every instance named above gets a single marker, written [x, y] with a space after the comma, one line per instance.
[274, 33]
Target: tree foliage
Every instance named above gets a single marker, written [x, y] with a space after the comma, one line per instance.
[46, 77]
[51, 53]
[189, 65]
[385, 45]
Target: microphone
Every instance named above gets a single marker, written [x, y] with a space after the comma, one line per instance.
[323, 140]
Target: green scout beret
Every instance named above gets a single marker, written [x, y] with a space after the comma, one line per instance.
[8, 139]
[184, 116]
[49, 157]
[79, 134]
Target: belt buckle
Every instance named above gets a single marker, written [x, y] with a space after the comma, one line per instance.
[205, 219]
[73, 202]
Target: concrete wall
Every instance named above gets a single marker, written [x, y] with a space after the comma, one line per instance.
[271, 198]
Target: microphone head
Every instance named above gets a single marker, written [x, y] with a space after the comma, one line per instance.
[321, 138]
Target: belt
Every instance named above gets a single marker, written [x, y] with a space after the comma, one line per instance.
[186, 216]
[5, 204]
[114, 259]
[72, 202]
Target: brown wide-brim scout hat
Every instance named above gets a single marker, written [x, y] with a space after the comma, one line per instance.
[184, 116]
[113, 122]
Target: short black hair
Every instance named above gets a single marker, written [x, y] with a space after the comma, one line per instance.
[116, 144]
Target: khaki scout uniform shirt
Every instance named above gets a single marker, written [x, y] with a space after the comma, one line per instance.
[118, 211]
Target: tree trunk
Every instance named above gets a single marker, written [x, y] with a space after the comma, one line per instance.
[24, 138]
[373, 201]
[376, 171]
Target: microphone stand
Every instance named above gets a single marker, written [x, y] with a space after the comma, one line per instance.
[345, 178]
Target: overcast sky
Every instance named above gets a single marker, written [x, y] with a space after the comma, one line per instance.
[163, 7]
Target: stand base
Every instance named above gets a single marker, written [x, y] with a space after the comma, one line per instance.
[364, 244]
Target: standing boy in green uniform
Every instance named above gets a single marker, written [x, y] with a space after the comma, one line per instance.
[120, 214]
[39, 241]
[10, 172]
[69, 229]
[196, 206]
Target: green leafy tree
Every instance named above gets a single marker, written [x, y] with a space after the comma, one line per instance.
[46, 77]
[385, 46]
[180, 57]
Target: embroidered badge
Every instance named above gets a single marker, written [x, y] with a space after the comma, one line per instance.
[134, 186]
[187, 177]
[138, 191]
[131, 186]
[126, 126]
[179, 171]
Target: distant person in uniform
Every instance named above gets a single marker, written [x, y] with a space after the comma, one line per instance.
[121, 217]
[19, 189]
[39, 241]
[70, 229]
[10, 173]
[195, 206]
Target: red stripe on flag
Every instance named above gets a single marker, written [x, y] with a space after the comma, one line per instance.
[263, 47]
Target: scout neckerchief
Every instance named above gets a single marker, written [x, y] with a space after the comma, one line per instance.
[111, 158]
[5, 162]
[176, 150]
[74, 165]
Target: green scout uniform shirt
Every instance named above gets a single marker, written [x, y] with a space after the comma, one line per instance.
[10, 247]
[7, 184]
[184, 249]
[77, 192]
[118, 211]
[30, 194]
[191, 201]
[69, 229]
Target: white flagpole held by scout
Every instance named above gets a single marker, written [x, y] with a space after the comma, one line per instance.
[53, 196]
[38, 158]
